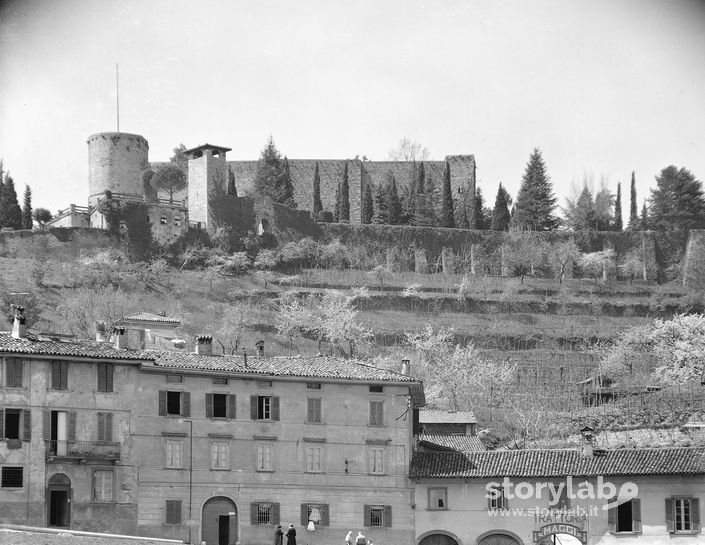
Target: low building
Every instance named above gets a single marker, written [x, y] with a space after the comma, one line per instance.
[448, 430]
[199, 447]
[503, 497]
[152, 331]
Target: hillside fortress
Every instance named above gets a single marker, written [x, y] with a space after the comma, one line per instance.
[116, 161]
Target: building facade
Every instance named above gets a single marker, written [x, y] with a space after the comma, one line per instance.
[199, 447]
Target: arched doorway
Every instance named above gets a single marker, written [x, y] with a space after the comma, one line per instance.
[58, 501]
[561, 539]
[499, 539]
[438, 539]
[219, 522]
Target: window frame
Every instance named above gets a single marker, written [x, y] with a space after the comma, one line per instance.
[105, 374]
[170, 512]
[60, 368]
[372, 460]
[184, 403]
[106, 425]
[12, 377]
[214, 456]
[94, 498]
[613, 518]
[5, 467]
[167, 456]
[24, 424]
[323, 509]
[258, 411]
[314, 410]
[430, 490]
[264, 452]
[499, 502]
[376, 414]
[693, 515]
[315, 454]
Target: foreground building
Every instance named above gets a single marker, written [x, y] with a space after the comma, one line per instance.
[196, 446]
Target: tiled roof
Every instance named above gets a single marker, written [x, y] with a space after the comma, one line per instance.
[433, 416]
[297, 366]
[557, 463]
[58, 346]
[463, 443]
[150, 317]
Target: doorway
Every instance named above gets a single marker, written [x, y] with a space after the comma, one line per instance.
[59, 501]
[219, 522]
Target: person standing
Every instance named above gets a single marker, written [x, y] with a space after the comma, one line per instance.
[278, 535]
[360, 539]
[291, 535]
[348, 538]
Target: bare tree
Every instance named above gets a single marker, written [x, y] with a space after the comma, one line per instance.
[409, 149]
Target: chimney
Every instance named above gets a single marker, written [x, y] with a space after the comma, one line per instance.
[100, 334]
[120, 337]
[19, 326]
[260, 348]
[204, 345]
[244, 355]
[405, 367]
[588, 434]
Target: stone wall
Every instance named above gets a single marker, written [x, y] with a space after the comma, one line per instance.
[115, 163]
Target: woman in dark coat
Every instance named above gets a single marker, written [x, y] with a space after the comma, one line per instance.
[278, 535]
[291, 535]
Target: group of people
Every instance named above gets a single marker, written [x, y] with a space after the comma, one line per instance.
[290, 536]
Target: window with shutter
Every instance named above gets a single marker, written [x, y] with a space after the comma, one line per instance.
[219, 405]
[27, 423]
[636, 515]
[314, 512]
[275, 408]
[2, 424]
[264, 408]
[313, 413]
[683, 515]
[624, 517]
[105, 377]
[13, 372]
[59, 375]
[72, 427]
[376, 413]
[105, 427]
[232, 406]
[377, 516]
[103, 485]
[173, 511]
[263, 513]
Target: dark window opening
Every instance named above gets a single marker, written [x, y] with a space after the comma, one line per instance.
[377, 515]
[376, 388]
[220, 405]
[174, 378]
[624, 517]
[173, 511]
[12, 423]
[12, 477]
[264, 513]
[173, 403]
[313, 385]
[162, 220]
[220, 380]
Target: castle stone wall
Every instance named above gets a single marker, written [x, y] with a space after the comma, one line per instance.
[115, 163]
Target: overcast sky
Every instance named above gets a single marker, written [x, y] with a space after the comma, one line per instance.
[602, 87]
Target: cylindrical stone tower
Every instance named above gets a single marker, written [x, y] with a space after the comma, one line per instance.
[115, 163]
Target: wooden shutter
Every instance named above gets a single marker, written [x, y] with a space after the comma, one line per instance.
[670, 527]
[325, 518]
[56, 375]
[612, 519]
[46, 425]
[232, 406]
[101, 377]
[416, 426]
[173, 511]
[275, 408]
[695, 514]
[162, 402]
[64, 375]
[209, 405]
[2, 424]
[253, 514]
[366, 518]
[310, 410]
[253, 407]
[18, 373]
[109, 427]
[101, 426]
[27, 422]
[636, 515]
[185, 404]
[387, 516]
[274, 514]
[304, 515]
[108, 377]
[72, 427]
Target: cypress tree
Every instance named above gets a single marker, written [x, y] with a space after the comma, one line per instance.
[500, 212]
[633, 214]
[393, 202]
[480, 219]
[232, 189]
[535, 202]
[345, 196]
[336, 210]
[381, 203]
[368, 208]
[27, 208]
[617, 224]
[447, 212]
[644, 224]
[269, 172]
[410, 202]
[317, 204]
[431, 198]
[10, 211]
[286, 187]
[421, 216]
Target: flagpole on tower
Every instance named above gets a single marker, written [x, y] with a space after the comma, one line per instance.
[117, 96]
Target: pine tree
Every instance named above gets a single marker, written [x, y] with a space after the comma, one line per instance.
[10, 211]
[447, 212]
[500, 212]
[345, 196]
[27, 208]
[393, 202]
[678, 202]
[368, 206]
[633, 213]
[535, 202]
[317, 204]
[232, 189]
[285, 187]
[617, 223]
[269, 171]
[381, 205]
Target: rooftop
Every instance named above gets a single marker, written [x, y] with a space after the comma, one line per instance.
[434, 416]
[150, 317]
[557, 463]
[46, 345]
[461, 443]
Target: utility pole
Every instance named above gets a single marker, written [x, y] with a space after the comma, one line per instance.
[117, 96]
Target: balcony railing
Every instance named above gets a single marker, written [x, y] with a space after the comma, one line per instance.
[82, 450]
